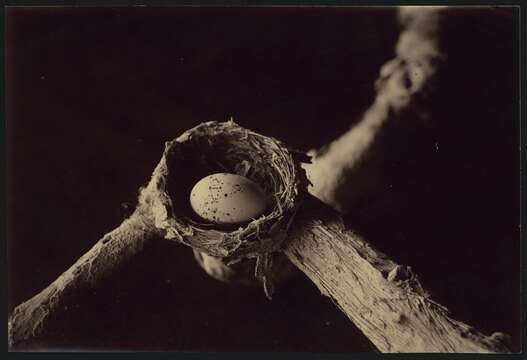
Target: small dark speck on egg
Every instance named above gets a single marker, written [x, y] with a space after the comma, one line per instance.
[225, 195]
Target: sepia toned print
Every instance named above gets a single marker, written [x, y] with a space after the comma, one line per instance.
[349, 175]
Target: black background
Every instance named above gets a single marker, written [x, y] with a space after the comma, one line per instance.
[93, 93]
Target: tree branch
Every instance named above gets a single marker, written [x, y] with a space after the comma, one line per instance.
[31, 319]
[385, 300]
[348, 171]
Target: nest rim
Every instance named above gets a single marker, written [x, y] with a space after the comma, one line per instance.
[259, 236]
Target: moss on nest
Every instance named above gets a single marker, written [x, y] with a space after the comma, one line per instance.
[227, 147]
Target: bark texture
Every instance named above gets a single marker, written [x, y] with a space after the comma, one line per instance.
[385, 300]
[30, 320]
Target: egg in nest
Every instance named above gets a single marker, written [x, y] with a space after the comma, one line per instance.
[228, 199]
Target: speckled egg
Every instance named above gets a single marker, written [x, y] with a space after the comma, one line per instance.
[227, 199]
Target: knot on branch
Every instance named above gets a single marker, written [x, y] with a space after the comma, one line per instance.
[405, 278]
[400, 273]
[409, 78]
[227, 147]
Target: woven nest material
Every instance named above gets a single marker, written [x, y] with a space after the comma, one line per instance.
[227, 147]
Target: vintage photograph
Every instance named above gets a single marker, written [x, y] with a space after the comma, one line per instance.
[321, 179]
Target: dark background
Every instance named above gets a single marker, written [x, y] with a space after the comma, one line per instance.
[93, 93]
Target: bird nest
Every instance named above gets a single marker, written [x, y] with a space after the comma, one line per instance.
[214, 147]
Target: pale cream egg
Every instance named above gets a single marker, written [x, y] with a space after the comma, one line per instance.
[228, 199]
